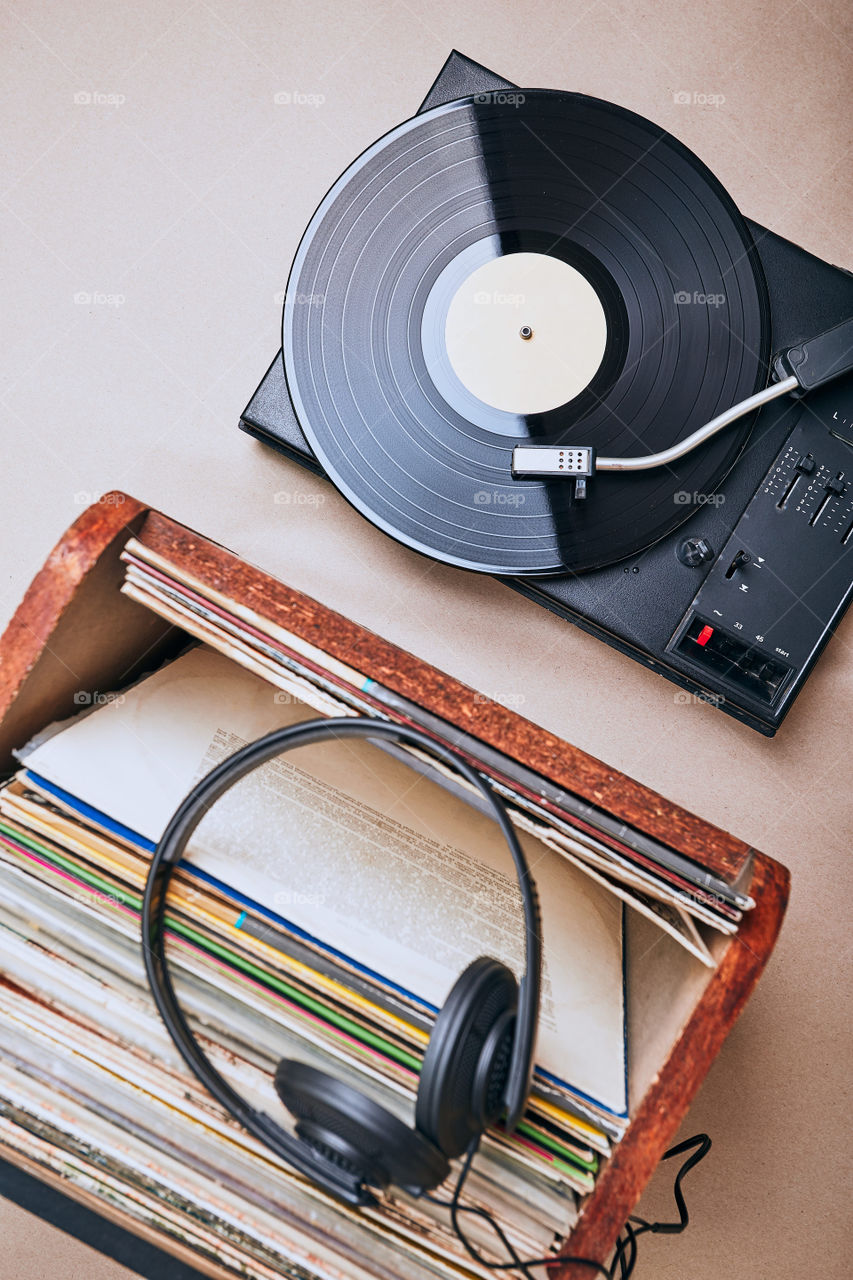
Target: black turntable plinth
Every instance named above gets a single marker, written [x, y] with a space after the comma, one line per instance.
[528, 266]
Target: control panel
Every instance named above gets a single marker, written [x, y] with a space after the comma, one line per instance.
[782, 579]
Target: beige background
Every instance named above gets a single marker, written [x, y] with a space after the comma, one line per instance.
[183, 203]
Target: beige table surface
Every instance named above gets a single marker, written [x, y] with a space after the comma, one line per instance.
[147, 166]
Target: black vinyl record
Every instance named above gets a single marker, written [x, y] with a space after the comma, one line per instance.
[617, 200]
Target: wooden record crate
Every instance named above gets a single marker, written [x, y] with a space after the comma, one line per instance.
[75, 631]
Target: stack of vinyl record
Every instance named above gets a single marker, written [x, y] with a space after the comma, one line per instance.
[289, 937]
[324, 909]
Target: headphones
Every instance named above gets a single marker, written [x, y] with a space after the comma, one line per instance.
[478, 1063]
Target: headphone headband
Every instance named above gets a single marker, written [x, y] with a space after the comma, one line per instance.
[169, 852]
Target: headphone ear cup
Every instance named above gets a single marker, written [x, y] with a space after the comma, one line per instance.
[467, 1059]
[345, 1127]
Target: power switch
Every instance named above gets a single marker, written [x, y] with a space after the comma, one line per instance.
[730, 658]
[741, 560]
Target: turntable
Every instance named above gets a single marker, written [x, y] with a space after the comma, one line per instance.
[528, 333]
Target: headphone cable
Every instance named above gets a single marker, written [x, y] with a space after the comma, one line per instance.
[625, 1257]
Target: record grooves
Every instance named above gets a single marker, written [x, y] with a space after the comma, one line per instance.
[615, 200]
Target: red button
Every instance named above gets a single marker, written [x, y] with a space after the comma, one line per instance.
[704, 635]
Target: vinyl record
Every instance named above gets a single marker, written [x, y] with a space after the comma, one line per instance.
[523, 266]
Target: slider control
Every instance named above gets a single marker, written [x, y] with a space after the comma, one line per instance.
[834, 488]
[805, 466]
